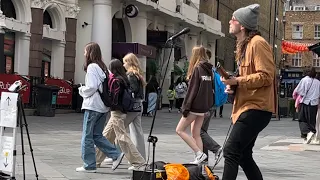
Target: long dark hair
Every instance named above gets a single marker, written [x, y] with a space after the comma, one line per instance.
[116, 67]
[93, 55]
[242, 45]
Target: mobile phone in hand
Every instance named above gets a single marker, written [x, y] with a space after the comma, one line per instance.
[222, 71]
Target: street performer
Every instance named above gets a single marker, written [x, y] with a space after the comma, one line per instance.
[255, 93]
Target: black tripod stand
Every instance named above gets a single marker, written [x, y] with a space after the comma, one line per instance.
[154, 139]
[21, 122]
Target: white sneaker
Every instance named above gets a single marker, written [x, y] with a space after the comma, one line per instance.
[315, 141]
[117, 162]
[108, 161]
[82, 169]
[309, 137]
[199, 158]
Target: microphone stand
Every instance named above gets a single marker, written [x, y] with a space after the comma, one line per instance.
[153, 139]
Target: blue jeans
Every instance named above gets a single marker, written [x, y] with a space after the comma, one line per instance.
[93, 125]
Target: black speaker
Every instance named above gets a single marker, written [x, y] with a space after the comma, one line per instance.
[146, 175]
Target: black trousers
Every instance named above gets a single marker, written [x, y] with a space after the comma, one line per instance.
[171, 103]
[238, 148]
[307, 119]
[179, 102]
[208, 142]
[220, 111]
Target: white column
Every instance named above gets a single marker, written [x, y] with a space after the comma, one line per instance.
[191, 42]
[203, 41]
[139, 35]
[212, 48]
[57, 59]
[22, 53]
[167, 77]
[102, 27]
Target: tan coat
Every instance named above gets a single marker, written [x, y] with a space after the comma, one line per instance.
[256, 88]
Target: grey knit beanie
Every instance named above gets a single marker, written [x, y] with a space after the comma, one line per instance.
[248, 16]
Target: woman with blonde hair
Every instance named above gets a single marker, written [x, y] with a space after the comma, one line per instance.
[198, 101]
[137, 84]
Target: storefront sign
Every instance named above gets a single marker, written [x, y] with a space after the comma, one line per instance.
[65, 92]
[6, 80]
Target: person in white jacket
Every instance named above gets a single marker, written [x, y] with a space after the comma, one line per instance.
[95, 112]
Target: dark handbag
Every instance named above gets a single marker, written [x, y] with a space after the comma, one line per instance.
[129, 103]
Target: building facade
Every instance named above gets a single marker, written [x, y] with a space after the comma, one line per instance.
[302, 25]
[45, 39]
[39, 37]
[105, 22]
[270, 25]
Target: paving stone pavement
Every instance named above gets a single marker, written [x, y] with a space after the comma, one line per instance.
[56, 144]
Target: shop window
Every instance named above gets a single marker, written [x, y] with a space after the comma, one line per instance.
[46, 63]
[9, 41]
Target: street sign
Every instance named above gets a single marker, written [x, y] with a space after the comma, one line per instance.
[6, 153]
[8, 115]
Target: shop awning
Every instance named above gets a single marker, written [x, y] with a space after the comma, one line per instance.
[122, 48]
[315, 48]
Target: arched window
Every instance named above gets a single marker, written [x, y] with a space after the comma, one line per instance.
[47, 19]
[118, 31]
[8, 9]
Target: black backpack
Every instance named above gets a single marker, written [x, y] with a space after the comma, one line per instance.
[110, 90]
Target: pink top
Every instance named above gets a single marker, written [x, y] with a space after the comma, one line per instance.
[298, 99]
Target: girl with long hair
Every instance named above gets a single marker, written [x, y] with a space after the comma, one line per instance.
[198, 101]
[137, 84]
[116, 129]
[95, 112]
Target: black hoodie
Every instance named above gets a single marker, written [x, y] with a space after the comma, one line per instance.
[199, 98]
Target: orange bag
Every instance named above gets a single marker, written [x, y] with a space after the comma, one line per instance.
[176, 172]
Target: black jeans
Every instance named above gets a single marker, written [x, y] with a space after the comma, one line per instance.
[238, 149]
[179, 102]
[208, 142]
[171, 103]
[220, 111]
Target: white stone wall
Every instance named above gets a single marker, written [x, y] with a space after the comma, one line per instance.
[99, 18]
[59, 10]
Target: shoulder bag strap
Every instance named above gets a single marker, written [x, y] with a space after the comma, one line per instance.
[309, 88]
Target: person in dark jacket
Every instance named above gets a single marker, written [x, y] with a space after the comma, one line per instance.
[198, 101]
[208, 142]
[115, 129]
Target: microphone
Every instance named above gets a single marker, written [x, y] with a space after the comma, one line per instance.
[183, 31]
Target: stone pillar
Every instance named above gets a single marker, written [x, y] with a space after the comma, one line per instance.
[139, 35]
[166, 75]
[71, 39]
[212, 48]
[21, 60]
[36, 48]
[102, 27]
[190, 43]
[2, 59]
[57, 59]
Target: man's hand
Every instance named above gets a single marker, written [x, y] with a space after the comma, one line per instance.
[231, 81]
[229, 90]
